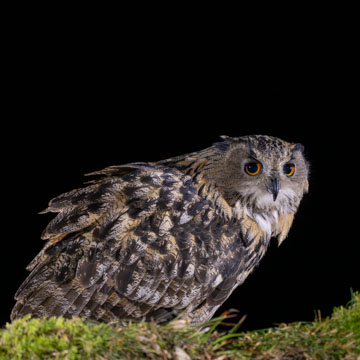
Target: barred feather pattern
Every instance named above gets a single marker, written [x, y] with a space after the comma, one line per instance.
[149, 240]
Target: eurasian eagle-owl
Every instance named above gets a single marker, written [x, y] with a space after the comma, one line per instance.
[168, 238]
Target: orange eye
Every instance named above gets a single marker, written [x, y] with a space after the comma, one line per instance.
[289, 169]
[252, 168]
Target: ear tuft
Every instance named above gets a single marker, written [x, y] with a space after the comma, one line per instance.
[225, 137]
[297, 147]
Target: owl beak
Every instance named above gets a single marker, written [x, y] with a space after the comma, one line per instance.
[274, 186]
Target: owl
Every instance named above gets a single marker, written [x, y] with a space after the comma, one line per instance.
[165, 239]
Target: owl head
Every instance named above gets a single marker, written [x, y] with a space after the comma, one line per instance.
[260, 172]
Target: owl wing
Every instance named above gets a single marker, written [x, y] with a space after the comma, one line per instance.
[129, 245]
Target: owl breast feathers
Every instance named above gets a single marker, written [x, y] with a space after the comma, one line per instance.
[165, 239]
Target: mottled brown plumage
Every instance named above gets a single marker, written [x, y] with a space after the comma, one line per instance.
[163, 239]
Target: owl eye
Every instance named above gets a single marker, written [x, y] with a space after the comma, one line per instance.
[253, 168]
[289, 169]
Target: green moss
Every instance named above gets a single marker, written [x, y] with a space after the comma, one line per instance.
[336, 337]
[54, 338]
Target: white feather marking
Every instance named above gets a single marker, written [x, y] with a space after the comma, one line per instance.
[218, 280]
[264, 223]
[156, 179]
[185, 217]
[189, 271]
[165, 225]
[141, 291]
[276, 216]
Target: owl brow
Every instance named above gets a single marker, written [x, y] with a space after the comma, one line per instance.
[253, 157]
[252, 154]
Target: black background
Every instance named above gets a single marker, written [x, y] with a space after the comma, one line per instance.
[80, 102]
